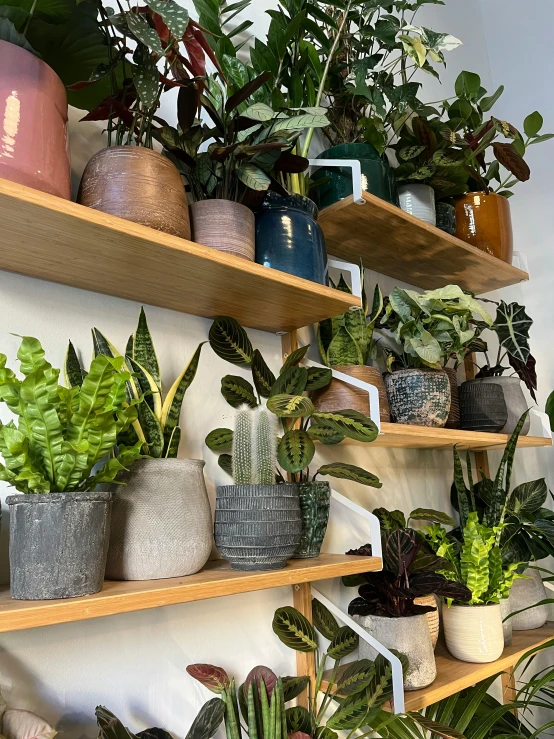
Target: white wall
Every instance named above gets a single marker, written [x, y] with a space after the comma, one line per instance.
[135, 664]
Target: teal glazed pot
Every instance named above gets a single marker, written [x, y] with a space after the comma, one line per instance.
[289, 238]
[315, 500]
[377, 175]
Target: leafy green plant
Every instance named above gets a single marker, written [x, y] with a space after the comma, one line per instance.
[62, 433]
[157, 427]
[284, 397]
[204, 726]
[433, 327]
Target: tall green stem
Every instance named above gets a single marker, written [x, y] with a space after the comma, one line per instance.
[29, 17]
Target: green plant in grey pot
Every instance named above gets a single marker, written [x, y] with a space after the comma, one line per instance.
[300, 423]
[61, 449]
[161, 518]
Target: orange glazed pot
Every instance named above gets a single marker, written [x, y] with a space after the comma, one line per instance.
[484, 220]
[33, 123]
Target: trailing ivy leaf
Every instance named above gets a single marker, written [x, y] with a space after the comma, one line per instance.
[142, 31]
[290, 406]
[264, 379]
[173, 15]
[292, 381]
[230, 341]
[325, 434]
[318, 377]
[295, 451]
[350, 472]
[208, 720]
[351, 423]
[219, 439]
[225, 461]
[237, 391]
[294, 629]
[344, 643]
[295, 357]
[324, 621]
[427, 514]
[294, 686]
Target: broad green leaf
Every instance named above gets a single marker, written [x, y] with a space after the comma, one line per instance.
[173, 403]
[230, 341]
[298, 123]
[208, 720]
[290, 406]
[219, 439]
[487, 103]
[263, 377]
[512, 326]
[318, 378]
[237, 391]
[294, 630]
[174, 16]
[225, 461]
[253, 177]
[528, 497]
[427, 514]
[533, 124]
[467, 84]
[343, 643]
[259, 112]
[292, 381]
[350, 472]
[295, 357]
[350, 423]
[295, 450]
[9, 33]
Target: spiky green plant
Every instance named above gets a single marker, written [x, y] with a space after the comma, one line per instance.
[157, 426]
[254, 447]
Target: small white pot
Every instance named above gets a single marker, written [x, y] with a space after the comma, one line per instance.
[410, 636]
[524, 593]
[419, 201]
[474, 633]
[507, 626]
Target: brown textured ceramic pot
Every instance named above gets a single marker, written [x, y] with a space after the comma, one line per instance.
[485, 222]
[33, 124]
[453, 421]
[338, 395]
[137, 184]
[226, 226]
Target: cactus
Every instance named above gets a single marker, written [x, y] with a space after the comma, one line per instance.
[254, 447]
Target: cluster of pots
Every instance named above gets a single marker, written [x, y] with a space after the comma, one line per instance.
[476, 634]
[156, 525]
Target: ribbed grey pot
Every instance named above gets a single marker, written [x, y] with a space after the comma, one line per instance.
[419, 397]
[58, 544]
[482, 406]
[257, 527]
[525, 593]
[161, 521]
[410, 636]
[315, 501]
[516, 405]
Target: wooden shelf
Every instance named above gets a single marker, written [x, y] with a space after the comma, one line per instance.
[400, 436]
[399, 245]
[215, 580]
[453, 675]
[53, 239]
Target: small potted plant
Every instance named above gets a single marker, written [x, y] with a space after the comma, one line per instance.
[58, 522]
[161, 519]
[346, 344]
[431, 328]
[494, 401]
[300, 422]
[386, 608]
[205, 725]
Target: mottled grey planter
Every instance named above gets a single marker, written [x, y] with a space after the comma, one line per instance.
[315, 499]
[419, 397]
[524, 593]
[410, 636]
[161, 521]
[482, 406]
[257, 527]
[58, 544]
[514, 398]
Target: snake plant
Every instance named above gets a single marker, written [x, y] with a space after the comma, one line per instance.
[157, 426]
[62, 433]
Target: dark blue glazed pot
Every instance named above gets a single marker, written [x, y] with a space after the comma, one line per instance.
[289, 238]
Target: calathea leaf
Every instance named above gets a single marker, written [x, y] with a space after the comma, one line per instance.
[528, 497]
[325, 434]
[294, 629]
[237, 391]
[290, 406]
[324, 621]
[526, 372]
[230, 341]
[299, 719]
[410, 152]
[511, 160]
[318, 377]
[110, 726]
[264, 379]
[350, 472]
[294, 686]
[260, 672]
[295, 357]
[219, 439]
[259, 112]
[435, 728]
[352, 712]
[253, 177]
[295, 451]
[356, 677]
[351, 423]
[291, 381]
[343, 643]
[208, 720]
[400, 550]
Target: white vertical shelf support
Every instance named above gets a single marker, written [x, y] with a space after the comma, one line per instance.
[374, 525]
[356, 168]
[355, 276]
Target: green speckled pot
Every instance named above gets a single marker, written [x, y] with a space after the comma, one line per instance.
[314, 508]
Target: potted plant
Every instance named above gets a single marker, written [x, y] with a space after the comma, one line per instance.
[59, 523]
[432, 328]
[494, 401]
[301, 425]
[204, 726]
[161, 519]
[129, 178]
[386, 608]
[346, 344]
[43, 49]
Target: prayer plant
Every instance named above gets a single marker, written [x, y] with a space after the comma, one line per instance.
[204, 726]
[63, 433]
[284, 397]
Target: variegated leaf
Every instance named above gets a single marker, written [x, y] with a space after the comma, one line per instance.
[290, 406]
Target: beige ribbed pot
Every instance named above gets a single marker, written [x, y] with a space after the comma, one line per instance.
[474, 633]
[338, 395]
[226, 226]
[433, 618]
[137, 184]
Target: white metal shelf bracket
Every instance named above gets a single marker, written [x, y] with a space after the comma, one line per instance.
[356, 168]
[374, 525]
[355, 276]
[519, 260]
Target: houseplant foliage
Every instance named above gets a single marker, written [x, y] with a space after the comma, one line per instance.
[204, 726]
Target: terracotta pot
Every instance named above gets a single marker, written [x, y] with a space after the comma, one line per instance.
[453, 421]
[433, 618]
[474, 633]
[226, 226]
[33, 123]
[419, 397]
[137, 184]
[485, 222]
[338, 395]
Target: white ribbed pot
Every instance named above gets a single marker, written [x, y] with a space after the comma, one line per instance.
[410, 636]
[419, 201]
[524, 593]
[507, 626]
[474, 633]
[161, 521]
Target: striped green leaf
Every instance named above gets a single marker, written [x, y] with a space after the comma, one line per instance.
[355, 677]
[291, 406]
[294, 629]
[253, 177]
[172, 445]
[73, 371]
[324, 621]
[353, 424]
[173, 403]
[237, 391]
[291, 381]
[295, 357]
[344, 643]
[230, 341]
[219, 439]
[325, 434]
[350, 472]
[143, 350]
[152, 430]
[263, 377]
[225, 461]
[294, 686]
[318, 377]
[146, 387]
[101, 345]
[295, 451]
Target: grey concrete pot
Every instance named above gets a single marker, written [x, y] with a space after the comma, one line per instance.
[524, 593]
[58, 544]
[507, 626]
[516, 404]
[257, 527]
[410, 636]
[419, 397]
[161, 521]
[315, 500]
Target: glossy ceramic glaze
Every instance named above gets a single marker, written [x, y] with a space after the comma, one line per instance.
[377, 175]
[485, 222]
[516, 405]
[418, 201]
[474, 633]
[226, 226]
[33, 123]
[289, 238]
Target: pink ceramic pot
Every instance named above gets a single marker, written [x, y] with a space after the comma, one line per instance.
[33, 118]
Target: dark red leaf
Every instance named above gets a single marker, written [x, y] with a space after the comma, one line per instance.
[110, 106]
[299, 735]
[514, 163]
[199, 36]
[212, 677]
[187, 106]
[245, 92]
[291, 163]
[196, 54]
[220, 153]
[261, 673]
[526, 372]
[161, 29]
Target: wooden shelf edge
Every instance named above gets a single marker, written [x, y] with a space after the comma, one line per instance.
[217, 579]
